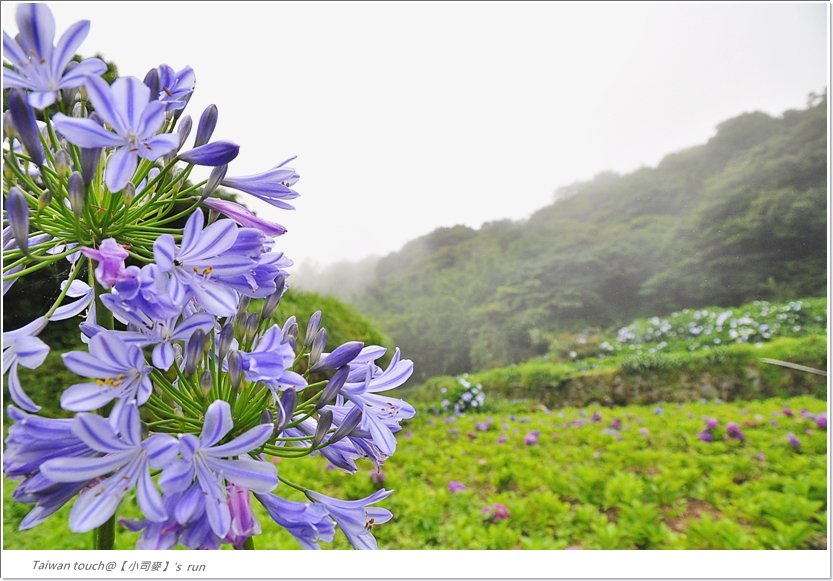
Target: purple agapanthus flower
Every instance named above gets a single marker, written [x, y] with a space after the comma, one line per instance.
[270, 359]
[119, 370]
[31, 441]
[355, 517]
[273, 187]
[212, 463]
[733, 430]
[711, 424]
[244, 217]
[531, 439]
[597, 417]
[821, 421]
[244, 524]
[134, 123]
[161, 334]
[40, 66]
[496, 512]
[380, 414]
[22, 347]
[455, 486]
[175, 87]
[308, 523]
[127, 457]
[793, 441]
[110, 256]
[199, 262]
[705, 436]
[144, 297]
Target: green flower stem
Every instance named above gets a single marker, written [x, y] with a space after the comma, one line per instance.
[249, 544]
[292, 484]
[72, 274]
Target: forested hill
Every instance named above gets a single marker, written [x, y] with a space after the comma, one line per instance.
[741, 217]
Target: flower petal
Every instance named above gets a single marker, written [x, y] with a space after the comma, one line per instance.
[217, 423]
[19, 397]
[77, 75]
[162, 450]
[95, 432]
[216, 507]
[149, 499]
[120, 168]
[85, 133]
[100, 95]
[157, 146]
[42, 99]
[83, 397]
[255, 475]
[163, 355]
[130, 97]
[242, 444]
[67, 46]
[37, 29]
[79, 469]
[164, 252]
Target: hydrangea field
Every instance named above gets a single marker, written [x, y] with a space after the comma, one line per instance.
[580, 478]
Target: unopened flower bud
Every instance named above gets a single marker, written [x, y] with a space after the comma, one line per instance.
[252, 321]
[184, 129]
[44, 200]
[68, 95]
[325, 420]
[208, 121]
[265, 417]
[194, 351]
[78, 111]
[312, 328]
[350, 423]
[341, 355]
[333, 387]
[318, 345]
[225, 340]
[63, 163]
[287, 403]
[271, 303]
[243, 305]
[206, 381]
[215, 177]
[17, 215]
[151, 80]
[8, 126]
[23, 118]
[128, 193]
[235, 368]
[77, 193]
[89, 163]
[175, 183]
[290, 329]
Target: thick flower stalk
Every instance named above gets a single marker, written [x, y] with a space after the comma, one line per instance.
[188, 389]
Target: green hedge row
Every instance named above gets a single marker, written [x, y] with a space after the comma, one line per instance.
[729, 373]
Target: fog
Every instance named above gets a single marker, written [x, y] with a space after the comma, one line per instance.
[411, 116]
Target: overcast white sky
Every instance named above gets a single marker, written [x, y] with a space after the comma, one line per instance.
[410, 116]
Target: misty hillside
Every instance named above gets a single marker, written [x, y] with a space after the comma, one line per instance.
[739, 218]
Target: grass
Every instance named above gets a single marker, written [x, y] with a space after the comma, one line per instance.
[652, 486]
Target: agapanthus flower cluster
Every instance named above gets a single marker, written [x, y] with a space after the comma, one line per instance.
[188, 388]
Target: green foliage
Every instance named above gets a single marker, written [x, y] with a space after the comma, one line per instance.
[736, 219]
[579, 486]
[659, 359]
